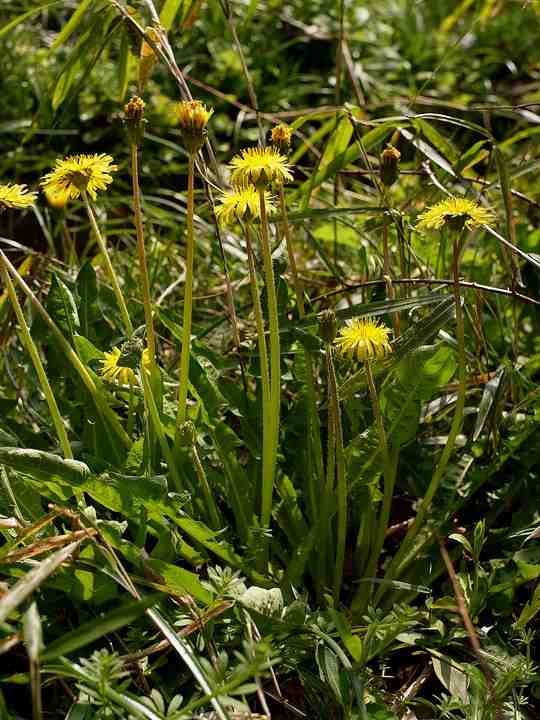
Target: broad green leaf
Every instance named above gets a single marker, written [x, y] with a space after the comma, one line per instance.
[44, 465]
[417, 378]
[332, 160]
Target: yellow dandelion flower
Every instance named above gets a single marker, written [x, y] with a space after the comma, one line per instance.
[281, 136]
[78, 173]
[260, 166]
[112, 370]
[16, 196]
[457, 213]
[241, 203]
[364, 337]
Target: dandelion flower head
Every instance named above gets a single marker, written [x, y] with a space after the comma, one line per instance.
[260, 166]
[16, 196]
[241, 203]
[364, 338]
[123, 374]
[79, 173]
[456, 212]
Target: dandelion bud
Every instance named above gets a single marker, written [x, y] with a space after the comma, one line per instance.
[187, 434]
[328, 326]
[194, 118]
[281, 137]
[389, 170]
[134, 121]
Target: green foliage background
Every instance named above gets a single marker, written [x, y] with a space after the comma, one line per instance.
[456, 86]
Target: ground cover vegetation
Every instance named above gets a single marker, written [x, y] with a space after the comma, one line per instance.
[269, 428]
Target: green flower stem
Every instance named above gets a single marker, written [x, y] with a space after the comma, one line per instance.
[390, 290]
[408, 548]
[259, 317]
[38, 365]
[141, 251]
[104, 410]
[390, 460]
[314, 434]
[267, 468]
[188, 298]
[155, 421]
[128, 326]
[336, 430]
[275, 372]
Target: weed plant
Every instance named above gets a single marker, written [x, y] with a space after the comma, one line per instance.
[269, 315]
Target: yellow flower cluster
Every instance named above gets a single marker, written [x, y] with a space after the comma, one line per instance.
[254, 170]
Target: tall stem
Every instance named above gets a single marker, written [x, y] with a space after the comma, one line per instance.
[275, 371]
[188, 297]
[141, 251]
[313, 428]
[341, 482]
[38, 365]
[267, 466]
[110, 270]
[387, 274]
[407, 550]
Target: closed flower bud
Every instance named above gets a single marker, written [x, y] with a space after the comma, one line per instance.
[328, 326]
[134, 121]
[389, 170]
[186, 434]
[281, 137]
[194, 117]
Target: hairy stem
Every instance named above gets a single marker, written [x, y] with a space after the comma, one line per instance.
[341, 480]
[188, 298]
[128, 326]
[141, 251]
[275, 371]
[313, 429]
